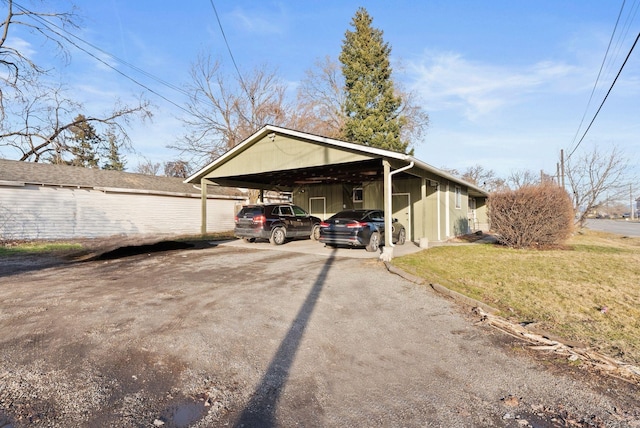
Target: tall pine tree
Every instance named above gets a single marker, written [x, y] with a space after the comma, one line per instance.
[114, 161]
[85, 143]
[371, 107]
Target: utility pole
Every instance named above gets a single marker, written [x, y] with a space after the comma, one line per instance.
[633, 213]
[562, 166]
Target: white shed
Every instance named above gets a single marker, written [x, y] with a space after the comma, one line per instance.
[44, 201]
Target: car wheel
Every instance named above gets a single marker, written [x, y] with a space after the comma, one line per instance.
[278, 236]
[402, 237]
[249, 240]
[374, 242]
[315, 232]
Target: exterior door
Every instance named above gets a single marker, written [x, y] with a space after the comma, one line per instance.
[401, 208]
[318, 207]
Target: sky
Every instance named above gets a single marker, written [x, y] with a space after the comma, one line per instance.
[506, 83]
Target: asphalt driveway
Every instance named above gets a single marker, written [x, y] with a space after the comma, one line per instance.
[249, 336]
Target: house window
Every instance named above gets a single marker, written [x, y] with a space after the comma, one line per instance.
[458, 197]
[357, 194]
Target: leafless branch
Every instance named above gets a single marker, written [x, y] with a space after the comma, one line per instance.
[596, 177]
[224, 111]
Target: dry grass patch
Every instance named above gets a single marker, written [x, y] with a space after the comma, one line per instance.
[37, 247]
[587, 292]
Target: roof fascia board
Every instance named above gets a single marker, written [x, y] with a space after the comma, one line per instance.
[330, 141]
[12, 183]
[288, 132]
[338, 143]
[163, 193]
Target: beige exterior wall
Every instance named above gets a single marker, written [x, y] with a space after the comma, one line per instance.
[47, 212]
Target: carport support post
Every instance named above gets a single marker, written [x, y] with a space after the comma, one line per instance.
[387, 250]
[203, 206]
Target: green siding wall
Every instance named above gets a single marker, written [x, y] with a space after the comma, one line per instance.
[283, 153]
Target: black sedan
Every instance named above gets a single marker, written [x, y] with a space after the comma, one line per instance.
[359, 228]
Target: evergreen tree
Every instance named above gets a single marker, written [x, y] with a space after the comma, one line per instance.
[371, 107]
[114, 160]
[85, 142]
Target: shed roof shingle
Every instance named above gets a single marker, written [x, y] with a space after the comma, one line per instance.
[65, 175]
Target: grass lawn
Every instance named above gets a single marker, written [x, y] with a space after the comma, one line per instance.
[37, 248]
[587, 292]
[16, 248]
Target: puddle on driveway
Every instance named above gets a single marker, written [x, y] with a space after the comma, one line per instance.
[183, 415]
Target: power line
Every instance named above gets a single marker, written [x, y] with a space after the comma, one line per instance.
[49, 26]
[595, 85]
[215, 11]
[626, 27]
[605, 97]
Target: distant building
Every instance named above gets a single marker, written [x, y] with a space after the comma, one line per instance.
[44, 201]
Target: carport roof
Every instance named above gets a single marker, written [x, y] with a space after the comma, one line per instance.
[367, 168]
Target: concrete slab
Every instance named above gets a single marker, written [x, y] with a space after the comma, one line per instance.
[307, 246]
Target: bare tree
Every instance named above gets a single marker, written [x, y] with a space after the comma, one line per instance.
[40, 125]
[595, 178]
[522, 177]
[224, 111]
[37, 120]
[416, 119]
[148, 167]
[17, 70]
[320, 100]
[479, 176]
[178, 168]
[482, 177]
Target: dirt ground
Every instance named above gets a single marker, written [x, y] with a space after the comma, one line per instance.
[242, 336]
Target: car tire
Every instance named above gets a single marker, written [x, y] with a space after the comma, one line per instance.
[315, 232]
[278, 236]
[402, 237]
[374, 242]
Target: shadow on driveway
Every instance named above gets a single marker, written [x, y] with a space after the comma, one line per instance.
[260, 411]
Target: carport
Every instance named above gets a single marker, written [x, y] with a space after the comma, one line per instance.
[325, 176]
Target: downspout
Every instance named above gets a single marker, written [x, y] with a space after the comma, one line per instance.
[387, 251]
[439, 208]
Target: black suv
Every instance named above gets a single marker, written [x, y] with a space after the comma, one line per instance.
[275, 222]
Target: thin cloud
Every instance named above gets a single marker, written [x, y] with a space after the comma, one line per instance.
[258, 21]
[449, 81]
[24, 47]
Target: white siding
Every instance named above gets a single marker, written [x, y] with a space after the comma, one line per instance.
[43, 212]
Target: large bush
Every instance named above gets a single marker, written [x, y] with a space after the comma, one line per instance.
[532, 216]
